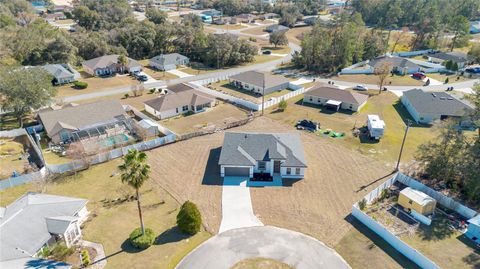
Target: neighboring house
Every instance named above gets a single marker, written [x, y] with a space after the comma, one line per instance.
[276, 28]
[50, 17]
[35, 221]
[426, 107]
[63, 125]
[180, 99]
[268, 16]
[246, 18]
[460, 58]
[167, 62]
[335, 98]
[473, 231]
[255, 81]
[310, 20]
[62, 73]
[475, 27]
[399, 65]
[213, 13]
[109, 65]
[264, 2]
[249, 155]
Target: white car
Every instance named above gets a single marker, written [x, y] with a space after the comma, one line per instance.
[360, 88]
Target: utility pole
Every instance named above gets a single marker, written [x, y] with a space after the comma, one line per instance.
[263, 95]
[403, 143]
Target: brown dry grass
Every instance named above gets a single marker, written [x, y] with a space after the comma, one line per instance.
[255, 31]
[295, 35]
[372, 79]
[96, 84]
[260, 263]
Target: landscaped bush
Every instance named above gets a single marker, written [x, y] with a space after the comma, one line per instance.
[80, 85]
[142, 241]
[362, 204]
[85, 258]
[282, 105]
[57, 251]
[189, 219]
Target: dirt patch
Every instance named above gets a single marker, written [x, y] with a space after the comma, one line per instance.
[260, 263]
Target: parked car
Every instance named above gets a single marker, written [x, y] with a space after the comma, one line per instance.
[360, 88]
[142, 78]
[307, 125]
[267, 52]
[474, 70]
[418, 75]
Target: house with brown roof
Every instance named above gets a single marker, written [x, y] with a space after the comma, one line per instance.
[68, 123]
[109, 64]
[180, 99]
[255, 81]
[335, 98]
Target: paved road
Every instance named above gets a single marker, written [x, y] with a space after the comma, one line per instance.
[298, 250]
[237, 210]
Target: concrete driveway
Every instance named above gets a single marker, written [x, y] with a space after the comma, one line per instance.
[237, 211]
[295, 249]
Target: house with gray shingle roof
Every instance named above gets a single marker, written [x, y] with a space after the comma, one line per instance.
[254, 155]
[276, 28]
[254, 81]
[180, 99]
[335, 98]
[37, 220]
[460, 58]
[109, 65]
[427, 107]
[62, 73]
[167, 62]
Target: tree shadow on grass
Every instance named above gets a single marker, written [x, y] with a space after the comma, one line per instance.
[211, 175]
[377, 241]
[171, 235]
[438, 230]
[128, 248]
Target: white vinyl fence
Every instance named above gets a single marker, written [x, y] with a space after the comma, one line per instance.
[393, 240]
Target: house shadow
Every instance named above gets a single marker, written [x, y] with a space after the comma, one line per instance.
[44, 263]
[211, 175]
[289, 182]
[171, 235]
[377, 241]
[406, 117]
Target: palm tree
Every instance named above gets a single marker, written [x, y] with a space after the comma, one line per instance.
[135, 171]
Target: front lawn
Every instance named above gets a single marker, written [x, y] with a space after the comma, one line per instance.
[372, 79]
[96, 84]
[225, 87]
[114, 219]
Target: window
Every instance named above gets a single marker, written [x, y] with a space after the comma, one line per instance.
[176, 110]
[185, 108]
[289, 171]
[297, 171]
[261, 165]
[319, 100]
[311, 99]
[410, 202]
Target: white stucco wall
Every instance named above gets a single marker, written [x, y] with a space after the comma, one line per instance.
[323, 101]
[283, 172]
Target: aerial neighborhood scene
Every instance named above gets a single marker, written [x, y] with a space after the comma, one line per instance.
[240, 134]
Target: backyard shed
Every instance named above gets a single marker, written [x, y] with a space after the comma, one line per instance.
[416, 200]
[148, 127]
[473, 231]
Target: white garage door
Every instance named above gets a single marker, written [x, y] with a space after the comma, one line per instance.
[237, 171]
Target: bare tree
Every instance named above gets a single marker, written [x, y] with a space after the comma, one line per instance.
[382, 72]
[137, 90]
[77, 152]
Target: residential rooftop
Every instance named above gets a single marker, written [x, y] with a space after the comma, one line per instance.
[334, 93]
[191, 97]
[260, 79]
[436, 103]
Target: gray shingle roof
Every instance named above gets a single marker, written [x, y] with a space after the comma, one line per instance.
[169, 59]
[337, 94]
[256, 78]
[181, 98]
[394, 61]
[276, 28]
[244, 149]
[107, 60]
[439, 103]
[23, 227]
[58, 70]
[454, 56]
[76, 117]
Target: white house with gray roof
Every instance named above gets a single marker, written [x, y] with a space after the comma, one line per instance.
[62, 73]
[249, 155]
[37, 220]
[109, 65]
[167, 62]
[427, 107]
[254, 81]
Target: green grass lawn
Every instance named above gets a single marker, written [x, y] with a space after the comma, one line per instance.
[226, 87]
[113, 221]
[389, 109]
[10, 153]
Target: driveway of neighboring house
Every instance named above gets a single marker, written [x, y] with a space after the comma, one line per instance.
[179, 73]
[293, 248]
[237, 211]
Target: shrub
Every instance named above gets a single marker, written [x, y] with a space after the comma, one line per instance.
[60, 252]
[85, 258]
[446, 80]
[80, 85]
[252, 39]
[282, 105]
[152, 90]
[126, 95]
[142, 241]
[362, 204]
[189, 219]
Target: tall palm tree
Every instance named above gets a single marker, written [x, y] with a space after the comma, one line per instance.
[135, 171]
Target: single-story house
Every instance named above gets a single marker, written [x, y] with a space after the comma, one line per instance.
[335, 98]
[310, 20]
[61, 125]
[109, 65]
[245, 18]
[412, 199]
[253, 155]
[255, 81]
[169, 61]
[276, 28]
[182, 99]
[399, 65]
[426, 107]
[473, 231]
[268, 16]
[62, 73]
[213, 13]
[460, 58]
[37, 220]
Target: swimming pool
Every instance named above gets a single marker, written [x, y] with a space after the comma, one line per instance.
[113, 140]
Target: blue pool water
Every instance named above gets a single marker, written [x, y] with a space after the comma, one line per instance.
[113, 140]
